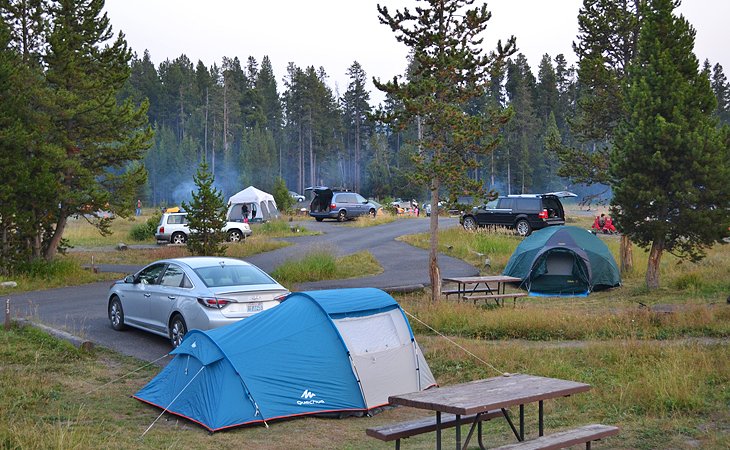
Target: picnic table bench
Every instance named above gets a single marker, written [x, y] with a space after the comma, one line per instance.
[397, 431]
[563, 439]
[496, 297]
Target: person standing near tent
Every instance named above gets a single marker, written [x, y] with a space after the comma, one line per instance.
[244, 212]
[138, 211]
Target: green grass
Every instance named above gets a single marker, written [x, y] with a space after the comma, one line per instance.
[661, 394]
[280, 228]
[549, 319]
[324, 265]
[59, 273]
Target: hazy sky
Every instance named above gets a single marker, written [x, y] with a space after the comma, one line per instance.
[334, 33]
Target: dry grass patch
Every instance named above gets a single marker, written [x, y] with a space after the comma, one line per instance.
[381, 218]
[80, 233]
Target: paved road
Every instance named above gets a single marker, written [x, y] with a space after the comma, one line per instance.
[81, 310]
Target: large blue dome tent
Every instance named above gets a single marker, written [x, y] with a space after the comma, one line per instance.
[563, 260]
[340, 351]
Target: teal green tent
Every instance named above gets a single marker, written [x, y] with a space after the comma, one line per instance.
[563, 260]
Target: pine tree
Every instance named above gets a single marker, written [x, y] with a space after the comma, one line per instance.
[608, 30]
[356, 110]
[669, 167]
[283, 200]
[206, 216]
[722, 93]
[85, 70]
[449, 70]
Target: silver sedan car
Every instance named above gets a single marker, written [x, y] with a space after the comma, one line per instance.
[171, 296]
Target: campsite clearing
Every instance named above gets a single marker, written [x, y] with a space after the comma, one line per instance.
[661, 394]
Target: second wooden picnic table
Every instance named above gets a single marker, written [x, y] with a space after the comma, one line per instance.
[482, 287]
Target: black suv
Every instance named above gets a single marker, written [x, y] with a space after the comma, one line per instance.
[338, 204]
[524, 213]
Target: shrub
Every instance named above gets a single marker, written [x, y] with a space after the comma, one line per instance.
[145, 230]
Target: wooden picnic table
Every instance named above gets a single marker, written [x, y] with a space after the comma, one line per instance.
[491, 286]
[482, 396]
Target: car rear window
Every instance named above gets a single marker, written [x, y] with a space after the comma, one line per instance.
[219, 276]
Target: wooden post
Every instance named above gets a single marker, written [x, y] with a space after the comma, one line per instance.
[7, 314]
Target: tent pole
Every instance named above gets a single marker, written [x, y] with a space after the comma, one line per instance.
[173, 401]
[359, 383]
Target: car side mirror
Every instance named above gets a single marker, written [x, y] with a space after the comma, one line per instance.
[130, 279]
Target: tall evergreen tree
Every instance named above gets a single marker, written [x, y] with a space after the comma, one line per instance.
[206, 216]
[521, 134]
[356, 108]
[669, 168]
[608, 30]
[450, 69]
[721, 87]
[85, 69]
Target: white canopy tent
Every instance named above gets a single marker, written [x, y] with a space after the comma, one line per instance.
[253, 205]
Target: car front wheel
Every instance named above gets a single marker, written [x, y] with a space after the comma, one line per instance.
[116, 314]
[469, 223]
[523, 227]
[371, 212]
[177, 330]
[235, 236]
[178, 238]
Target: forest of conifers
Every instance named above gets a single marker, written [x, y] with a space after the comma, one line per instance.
[251, 129]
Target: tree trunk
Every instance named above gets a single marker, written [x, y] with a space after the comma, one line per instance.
[652, 268]
[52, 249]
[626, 255]
[433, 264]
[311, 154]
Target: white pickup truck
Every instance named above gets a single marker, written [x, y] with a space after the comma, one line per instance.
[173, 228]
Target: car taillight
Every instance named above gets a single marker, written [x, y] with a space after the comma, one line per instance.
[543, 214]
[162, 229]
[333, 206]
[213, 302]
[280, 298]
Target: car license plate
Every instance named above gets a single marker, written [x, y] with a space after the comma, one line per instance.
[255, 307]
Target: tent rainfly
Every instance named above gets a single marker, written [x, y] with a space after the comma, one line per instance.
[261, 206]
[563, 260]
[331, 352]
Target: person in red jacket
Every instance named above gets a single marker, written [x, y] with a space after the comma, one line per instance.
[608, 226]
[604, 223]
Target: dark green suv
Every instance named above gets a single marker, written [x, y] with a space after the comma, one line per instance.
[524, 212]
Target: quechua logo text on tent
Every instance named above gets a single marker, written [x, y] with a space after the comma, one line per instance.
[308, 397]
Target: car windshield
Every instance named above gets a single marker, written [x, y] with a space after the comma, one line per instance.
[226, 275]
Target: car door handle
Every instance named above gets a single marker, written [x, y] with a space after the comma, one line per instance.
[171, 297]
[147, 295]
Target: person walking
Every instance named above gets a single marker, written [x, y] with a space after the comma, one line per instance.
[138, 211]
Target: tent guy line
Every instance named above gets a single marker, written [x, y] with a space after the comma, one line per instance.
[128, 374]
[456, 344]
